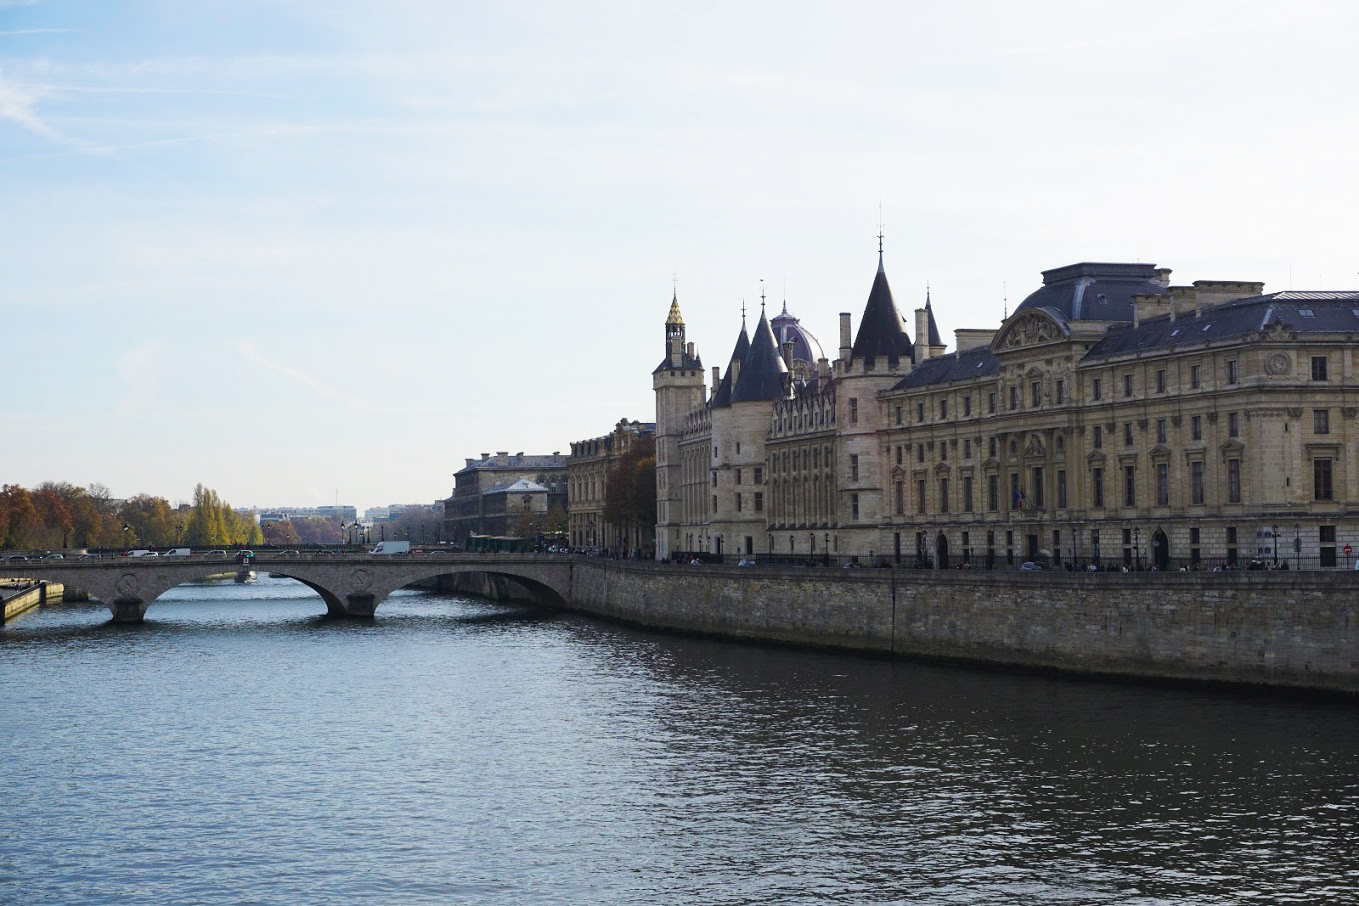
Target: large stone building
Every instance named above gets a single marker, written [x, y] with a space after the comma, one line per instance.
[488, 501]
[587, 476]
[1112, 418]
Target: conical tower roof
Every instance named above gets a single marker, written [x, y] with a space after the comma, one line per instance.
[934, 328]
[724, 389]
[674, 317]
[882, 333]
[763, 372]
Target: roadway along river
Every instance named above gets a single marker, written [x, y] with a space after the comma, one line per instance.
[240, 748]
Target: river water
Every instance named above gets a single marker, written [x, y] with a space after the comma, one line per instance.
[241, 748]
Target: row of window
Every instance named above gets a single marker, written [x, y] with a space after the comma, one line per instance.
[1320, 372]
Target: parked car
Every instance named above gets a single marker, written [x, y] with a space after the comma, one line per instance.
[1031, 566]
[52, 557]
[177, 552]
[140, 553]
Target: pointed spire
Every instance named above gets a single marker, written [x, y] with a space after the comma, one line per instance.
[881, 329]
[933, 335]
[729, 380]
[675, 317]
[763, 373]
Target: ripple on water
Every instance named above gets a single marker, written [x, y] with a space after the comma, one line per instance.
[241, 747]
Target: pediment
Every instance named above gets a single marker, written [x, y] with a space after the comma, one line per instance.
[1232, 445]
[941, 469]
[898, 471]
[1035, 449]
[1160, 451]
[1030, 328]
[1095, 457]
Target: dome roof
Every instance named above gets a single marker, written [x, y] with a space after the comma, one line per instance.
[806, 349]
[1096, 292]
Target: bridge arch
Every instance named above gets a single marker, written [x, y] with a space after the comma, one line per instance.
[349, 585]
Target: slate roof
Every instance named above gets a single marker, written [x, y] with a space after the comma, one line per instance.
[723, 395]
[1304, 312]
[1093, 291]
[956, 366]
[521, 486]
[934, 328]
[518, 461]
[882, 332]
[763, 372]
[805, 346]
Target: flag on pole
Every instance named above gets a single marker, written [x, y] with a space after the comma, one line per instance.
[1019, 499]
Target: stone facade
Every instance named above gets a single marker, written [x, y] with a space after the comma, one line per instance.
[479, 505]
[1112, 418]
[587, 476]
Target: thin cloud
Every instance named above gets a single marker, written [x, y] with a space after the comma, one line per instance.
[35, 31]
[17, 104]
[320, 387]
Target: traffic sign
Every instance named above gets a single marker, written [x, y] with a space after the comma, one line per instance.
[1348, 550]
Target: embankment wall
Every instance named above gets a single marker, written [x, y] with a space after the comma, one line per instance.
[1295, 629]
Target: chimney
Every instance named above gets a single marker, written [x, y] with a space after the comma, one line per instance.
[691, 350]
[717, 379]
[823, 368]
[1163, 276]
[469, 459]
[922, 335]
[788, 354]
[486, 456]
[846, 347]
[972, 337]
[735, 371]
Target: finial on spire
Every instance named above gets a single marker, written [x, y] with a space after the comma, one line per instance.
[743, 312]
[1005, 300]
[761, 297]
[879, 228]
[927, 294]
[785, 294]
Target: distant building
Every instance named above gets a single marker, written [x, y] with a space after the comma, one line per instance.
[285, 513]
[587, 472]
[482, 501]
[376, 514]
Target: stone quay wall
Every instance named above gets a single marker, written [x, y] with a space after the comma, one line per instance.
[19, 596]
[1287, 629]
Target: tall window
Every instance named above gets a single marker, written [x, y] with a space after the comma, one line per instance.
[1014, 398]
[1196, 482]
[1097, 389]
[853, 467]
[1061, 488]
[1097, 487]
[1130, 485]
[1038, 483]
[1196, 427]
[1161, 380]
[1127, 434]
[1099, 436]
[967, 493]
[991, 446]
[943, 408]
[1319, 368]
[1233, 424]
[738, 476]
[854, 506]
[919, 453]
[992, 493]
[898, 454]
[898, 415]
[1162, 484]
[1061, 391]
[1194, 373]
[1321, 421]
[943, 450]
[1321, 480]
[990, 404]
[920, 495]
[853, 412]
[1127, 384]
[1233, 481]
[1160, 430]
[900, 498]
[1036, 394]
[1233, 371]
[967, 404]
[943, 495]
[759, 474]
[759, 501]
[967, 448]
[738, 503]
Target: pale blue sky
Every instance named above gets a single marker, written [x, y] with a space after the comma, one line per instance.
[296, 247]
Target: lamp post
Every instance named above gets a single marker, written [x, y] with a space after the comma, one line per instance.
[1276, 544]
[1297, 543]
[1137, 548]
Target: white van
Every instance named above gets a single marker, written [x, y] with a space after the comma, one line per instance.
[141, 553]
[178, 552]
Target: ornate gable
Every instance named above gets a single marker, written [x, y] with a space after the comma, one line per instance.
[1030, 328]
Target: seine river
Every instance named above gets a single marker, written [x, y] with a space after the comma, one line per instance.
[240, 748]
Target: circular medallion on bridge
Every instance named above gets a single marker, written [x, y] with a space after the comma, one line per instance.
[1278, 363]
[126, 585]
[360, 580]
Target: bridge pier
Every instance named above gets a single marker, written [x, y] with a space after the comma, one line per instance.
[358, 606]
[129, 610]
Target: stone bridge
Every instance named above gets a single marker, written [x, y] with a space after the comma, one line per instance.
[351, 585]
